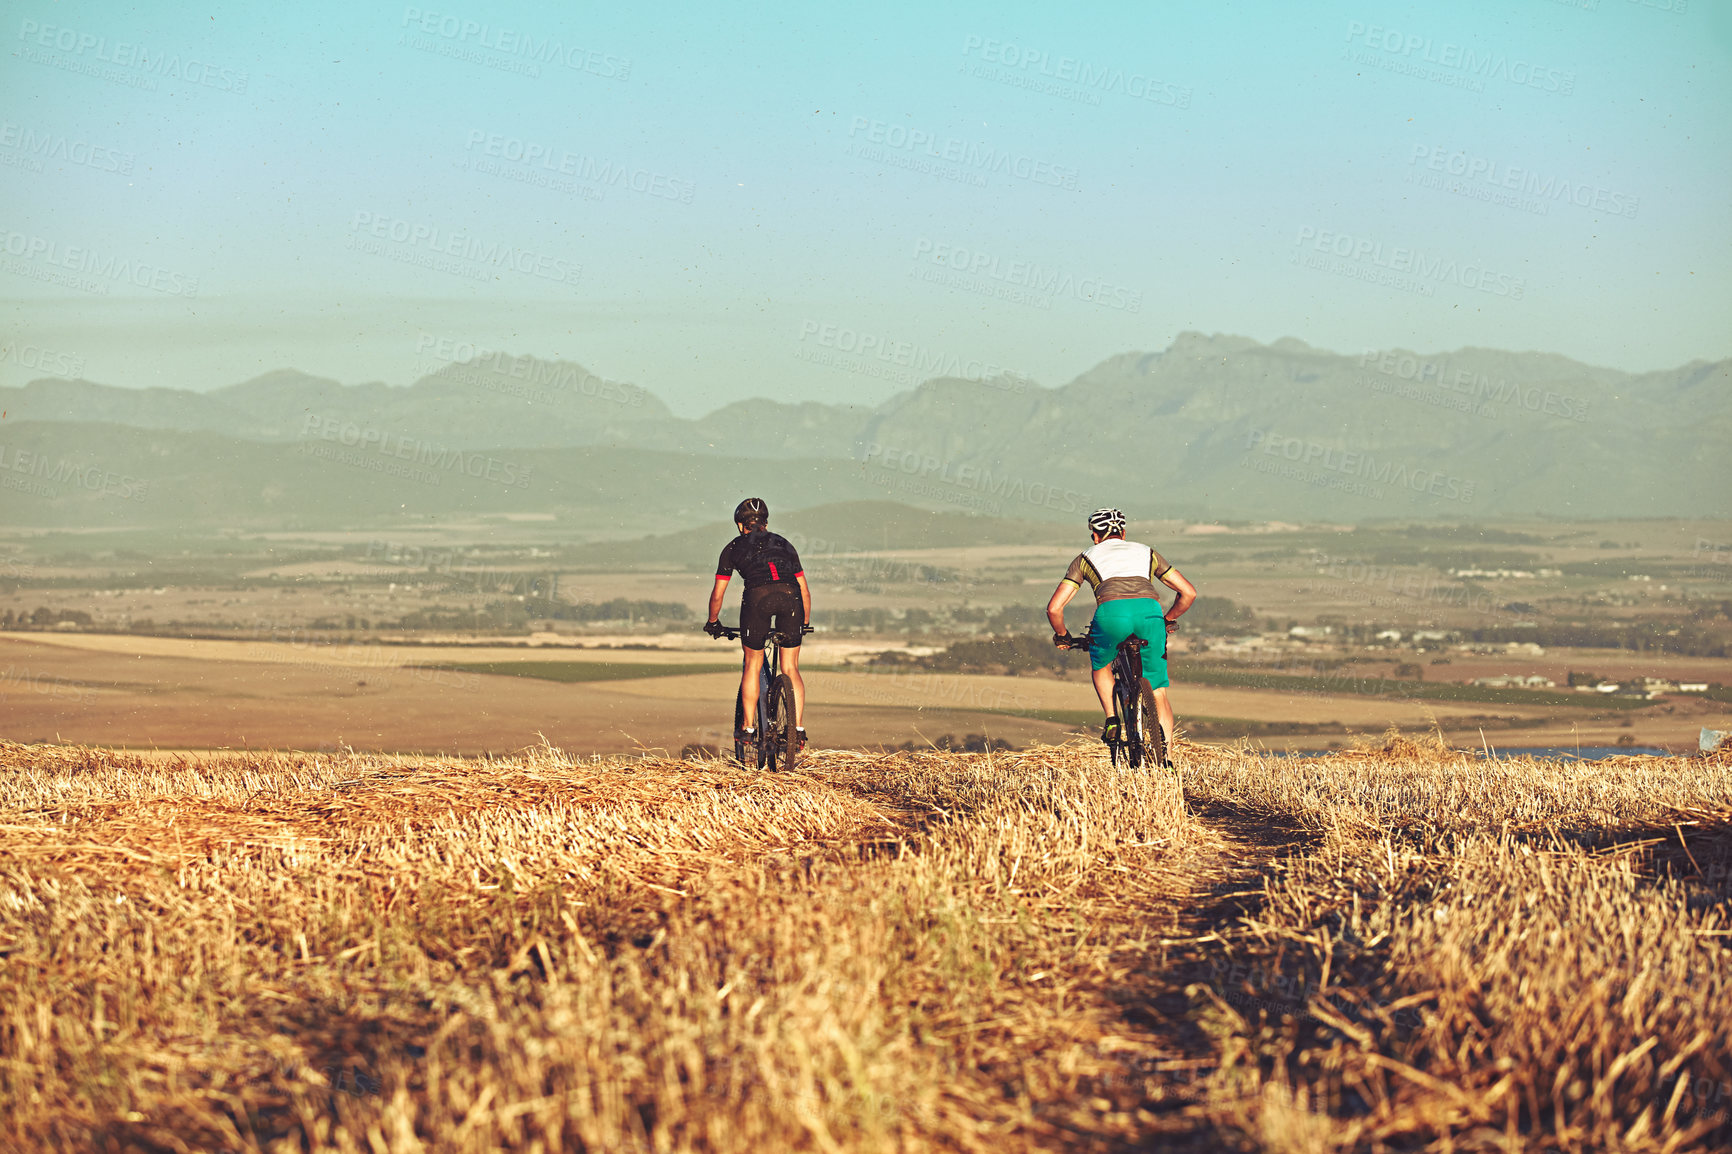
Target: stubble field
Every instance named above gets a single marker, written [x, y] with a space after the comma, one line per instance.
[1397, 947]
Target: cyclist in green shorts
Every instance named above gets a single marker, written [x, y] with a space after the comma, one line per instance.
[1123, 574]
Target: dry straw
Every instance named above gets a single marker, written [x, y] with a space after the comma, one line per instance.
[1395, 947]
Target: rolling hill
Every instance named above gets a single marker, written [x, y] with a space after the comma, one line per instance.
[1212, 427]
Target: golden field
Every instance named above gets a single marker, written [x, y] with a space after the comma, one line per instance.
[1392, 948]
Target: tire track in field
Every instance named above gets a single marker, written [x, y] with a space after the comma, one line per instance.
[1237, 853]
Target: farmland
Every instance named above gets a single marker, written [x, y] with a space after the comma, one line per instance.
[146, 692]
[1390, 947]
[461, 638]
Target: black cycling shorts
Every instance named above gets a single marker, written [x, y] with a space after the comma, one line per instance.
[778, 602]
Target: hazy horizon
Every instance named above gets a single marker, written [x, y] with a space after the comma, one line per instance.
[684, 202]
[436, 353]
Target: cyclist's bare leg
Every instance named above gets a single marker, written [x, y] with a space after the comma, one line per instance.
[791, 666]
[749, 672]
[1103, 678]
[1164, 711]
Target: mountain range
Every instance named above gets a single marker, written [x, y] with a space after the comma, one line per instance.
[1212, 427]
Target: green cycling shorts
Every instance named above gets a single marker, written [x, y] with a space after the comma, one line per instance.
[1116, 620]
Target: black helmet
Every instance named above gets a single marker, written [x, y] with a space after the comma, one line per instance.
[1106, 522]
[751, 509]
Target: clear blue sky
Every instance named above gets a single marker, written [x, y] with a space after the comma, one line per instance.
[1012, 185]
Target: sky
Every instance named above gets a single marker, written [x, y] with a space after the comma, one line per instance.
[832, 203]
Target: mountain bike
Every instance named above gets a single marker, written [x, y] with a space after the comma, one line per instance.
[1140, 740]
[778, 746]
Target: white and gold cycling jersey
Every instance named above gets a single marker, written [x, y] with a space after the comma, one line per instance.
[1116, 569]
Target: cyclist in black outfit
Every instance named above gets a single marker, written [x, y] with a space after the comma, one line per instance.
[776, 597]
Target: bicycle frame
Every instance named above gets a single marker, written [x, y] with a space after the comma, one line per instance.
[1129, 687]
[767, 674]
[775, 713]
[1128, 661]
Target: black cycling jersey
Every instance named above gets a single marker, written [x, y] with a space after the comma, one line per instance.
[762, 557]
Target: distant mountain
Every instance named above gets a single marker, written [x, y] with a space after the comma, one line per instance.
[523, 403]
[1214, 426]
[1226, 427]
[85, 401]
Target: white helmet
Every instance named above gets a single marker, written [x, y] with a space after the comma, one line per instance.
[1106, 522]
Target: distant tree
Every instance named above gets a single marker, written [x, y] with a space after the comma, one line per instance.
[1015, 654]
[1220, 615]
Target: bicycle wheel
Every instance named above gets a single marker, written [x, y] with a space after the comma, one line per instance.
[766, 717]
[779, 734]
[1124, 707]
[1135, 727]
[1153, 741]
[1143, 728]
[739, 720]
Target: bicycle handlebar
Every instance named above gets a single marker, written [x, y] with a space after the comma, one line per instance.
[1066, 641]
[732, 634]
